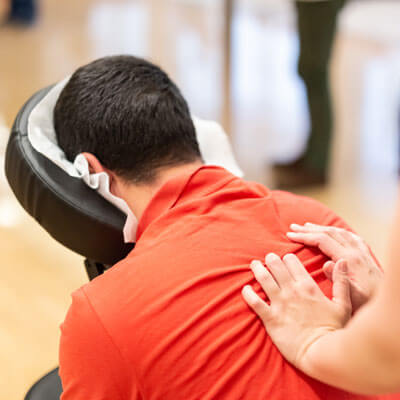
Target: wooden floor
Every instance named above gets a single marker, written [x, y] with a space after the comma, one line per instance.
[269, 121]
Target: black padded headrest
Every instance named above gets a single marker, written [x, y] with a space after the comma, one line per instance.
[75, 215]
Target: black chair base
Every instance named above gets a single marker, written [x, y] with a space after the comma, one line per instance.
[47, 388]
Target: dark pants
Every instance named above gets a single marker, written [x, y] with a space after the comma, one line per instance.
[317, 28]
[23, 11]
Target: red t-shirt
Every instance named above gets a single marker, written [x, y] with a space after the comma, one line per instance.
[169, 323]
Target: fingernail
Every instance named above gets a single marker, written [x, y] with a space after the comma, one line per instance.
[329, 264]
[250, 295]
[271, 257]
[254, 264]
[291, 234]
[295, 226]
[249, 292]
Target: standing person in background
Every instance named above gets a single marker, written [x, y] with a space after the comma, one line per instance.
[316, 20]
[22, 12]
[4, 10]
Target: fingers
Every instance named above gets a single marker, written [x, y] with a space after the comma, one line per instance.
[282, 272]
[341, 285]
[310, 227]
[329, 240]
[278, 275]
[259, 306]
[278, 269]
[343, 236]
[329, 246]
[265, 279]
[296, 268]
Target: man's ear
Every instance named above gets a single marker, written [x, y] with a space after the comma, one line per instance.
[95, 165]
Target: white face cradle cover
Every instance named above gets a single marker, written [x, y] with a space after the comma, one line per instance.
[213, 141]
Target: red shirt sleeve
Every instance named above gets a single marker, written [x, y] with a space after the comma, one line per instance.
[91, 366]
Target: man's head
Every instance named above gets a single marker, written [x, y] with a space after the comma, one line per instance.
[129, 115]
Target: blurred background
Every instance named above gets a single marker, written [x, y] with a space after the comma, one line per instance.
[236, 62]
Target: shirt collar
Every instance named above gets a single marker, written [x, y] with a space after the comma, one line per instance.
[188, 185]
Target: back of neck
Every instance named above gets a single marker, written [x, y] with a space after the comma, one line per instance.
[138, 196]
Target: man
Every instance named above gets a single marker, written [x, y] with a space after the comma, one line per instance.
[316, 20]
[168, 322]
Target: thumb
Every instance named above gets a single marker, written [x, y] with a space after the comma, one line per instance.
[341, 285]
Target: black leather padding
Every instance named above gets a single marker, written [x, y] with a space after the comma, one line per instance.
[47, 388]
[72, 213]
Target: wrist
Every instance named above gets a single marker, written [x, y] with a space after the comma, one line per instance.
[314, 358]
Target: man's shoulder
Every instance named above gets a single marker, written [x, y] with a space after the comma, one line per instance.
[89, 357]
[121, 281]
[80, 316]
[295, 208]
[108, 281]
[300, 203]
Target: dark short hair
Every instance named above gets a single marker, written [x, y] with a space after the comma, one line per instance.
[129, 114]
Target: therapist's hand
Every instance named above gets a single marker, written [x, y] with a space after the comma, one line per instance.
[299, 314]
[364, 273]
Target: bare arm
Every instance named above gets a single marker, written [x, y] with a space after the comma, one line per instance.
[364, 357]
[361, 356]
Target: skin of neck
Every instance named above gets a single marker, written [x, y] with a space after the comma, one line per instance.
[138, 196]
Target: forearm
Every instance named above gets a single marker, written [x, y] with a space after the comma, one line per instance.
[364, 357]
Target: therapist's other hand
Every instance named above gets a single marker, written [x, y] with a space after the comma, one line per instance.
[299, 314]
[364, 273]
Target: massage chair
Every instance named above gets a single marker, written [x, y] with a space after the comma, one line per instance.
[62, 205]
